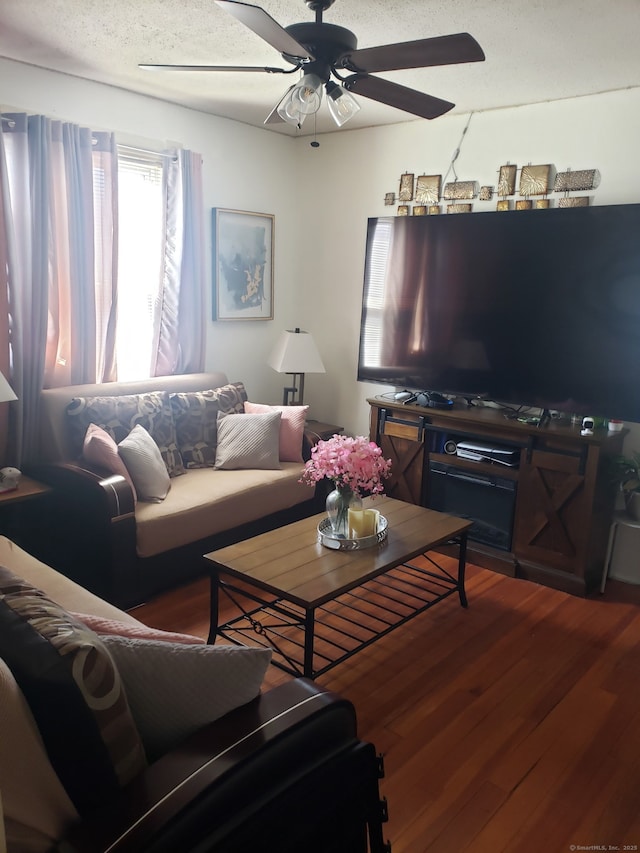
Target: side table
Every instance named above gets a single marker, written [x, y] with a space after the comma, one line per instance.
[28, 490]
[316, 431]
[620, 520]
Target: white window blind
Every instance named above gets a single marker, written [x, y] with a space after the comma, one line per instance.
[140, 242]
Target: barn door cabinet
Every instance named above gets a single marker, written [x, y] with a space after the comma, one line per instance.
[541, 498]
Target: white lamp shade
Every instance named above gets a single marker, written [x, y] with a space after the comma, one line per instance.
[6, 391]
[296, 352]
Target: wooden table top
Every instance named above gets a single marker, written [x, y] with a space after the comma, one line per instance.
[27, 488]
[291, 562]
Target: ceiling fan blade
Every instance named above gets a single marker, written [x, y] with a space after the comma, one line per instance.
[266, 27]
[409, 100]
[268, 70]
[423, 53]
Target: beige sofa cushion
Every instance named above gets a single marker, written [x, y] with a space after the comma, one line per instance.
[207, 501]
[26, 776]
[59, 588]
[37, 809]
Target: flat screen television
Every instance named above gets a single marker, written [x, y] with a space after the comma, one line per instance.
[530, 308]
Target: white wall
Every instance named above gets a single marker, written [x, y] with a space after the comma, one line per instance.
[322, 197]
[348, 176]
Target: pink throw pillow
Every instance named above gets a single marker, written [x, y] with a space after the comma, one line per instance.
[291, 427]
[141, 632]
[101, 450]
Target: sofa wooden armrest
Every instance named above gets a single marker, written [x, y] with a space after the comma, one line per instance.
[112, 490]
[286, 772]
[85, 527]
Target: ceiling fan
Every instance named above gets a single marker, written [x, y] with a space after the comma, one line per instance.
[322, 51]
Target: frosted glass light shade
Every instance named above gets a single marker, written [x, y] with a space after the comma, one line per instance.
[342, 105]
[288, 109]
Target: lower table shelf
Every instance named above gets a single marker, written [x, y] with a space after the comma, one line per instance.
[310, 642]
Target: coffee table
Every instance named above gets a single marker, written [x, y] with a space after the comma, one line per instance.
[315, 606]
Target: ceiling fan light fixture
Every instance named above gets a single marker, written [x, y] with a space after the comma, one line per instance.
[288, 108]
[342, 105]
[307, 94]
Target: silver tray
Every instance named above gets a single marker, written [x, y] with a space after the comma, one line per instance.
[339, 543]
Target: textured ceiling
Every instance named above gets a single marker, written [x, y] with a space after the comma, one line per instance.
[536, 50]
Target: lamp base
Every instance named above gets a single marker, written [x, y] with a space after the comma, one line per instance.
[289, 397]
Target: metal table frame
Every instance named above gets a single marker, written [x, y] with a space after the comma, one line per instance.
[308, 641]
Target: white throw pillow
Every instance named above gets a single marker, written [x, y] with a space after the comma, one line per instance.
[248, 441]
[174, 689]
[144, 463]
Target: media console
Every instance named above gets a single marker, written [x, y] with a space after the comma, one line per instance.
[540, 497]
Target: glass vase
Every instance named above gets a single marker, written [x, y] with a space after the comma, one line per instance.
[338, 503]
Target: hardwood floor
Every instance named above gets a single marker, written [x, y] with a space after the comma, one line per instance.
[511, 726]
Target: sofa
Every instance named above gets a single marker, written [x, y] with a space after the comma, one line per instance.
[127, 546]
[102, 751]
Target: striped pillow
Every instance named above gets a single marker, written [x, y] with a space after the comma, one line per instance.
[74, 691]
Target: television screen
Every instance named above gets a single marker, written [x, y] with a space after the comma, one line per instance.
[533, 308]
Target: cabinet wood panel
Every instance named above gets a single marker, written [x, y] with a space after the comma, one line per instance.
[563, 497]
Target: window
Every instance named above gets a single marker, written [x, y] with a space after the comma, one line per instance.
[372, 336]
[140, 248]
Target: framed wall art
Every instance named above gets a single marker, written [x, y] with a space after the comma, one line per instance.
[507, 180]
[535, 180]
[428, 189]
[242, 265]
[574, 201]
[460, 189]
[405, 193]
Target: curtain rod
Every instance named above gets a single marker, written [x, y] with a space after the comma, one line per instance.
[143, 150]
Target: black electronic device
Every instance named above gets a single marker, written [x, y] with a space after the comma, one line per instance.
[433, 400]
[532, 308]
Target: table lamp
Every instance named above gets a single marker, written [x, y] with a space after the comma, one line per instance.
[296, 353]
[6, 391]
[6, 396]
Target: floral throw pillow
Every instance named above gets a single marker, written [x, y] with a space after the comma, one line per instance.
[119, 415]
[196, 418]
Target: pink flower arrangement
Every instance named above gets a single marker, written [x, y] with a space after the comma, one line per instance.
[352, 463]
